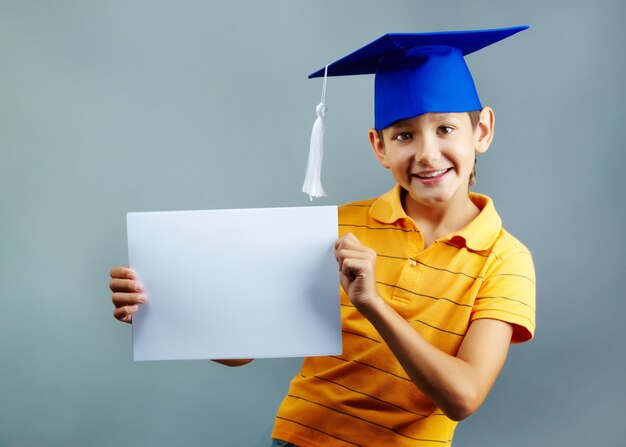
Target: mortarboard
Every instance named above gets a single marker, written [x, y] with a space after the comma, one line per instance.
[416, 73]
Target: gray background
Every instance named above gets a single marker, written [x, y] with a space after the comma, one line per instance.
[115, 106]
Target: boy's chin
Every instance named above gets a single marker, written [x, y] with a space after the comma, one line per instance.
[435, 199]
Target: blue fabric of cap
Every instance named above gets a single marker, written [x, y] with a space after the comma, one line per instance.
[418, 73]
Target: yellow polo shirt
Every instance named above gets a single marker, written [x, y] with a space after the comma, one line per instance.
[363, 397]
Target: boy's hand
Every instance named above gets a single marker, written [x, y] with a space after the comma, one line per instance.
[357, 270]
[127, 293]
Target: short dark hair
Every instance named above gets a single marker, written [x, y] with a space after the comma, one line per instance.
[474, 116]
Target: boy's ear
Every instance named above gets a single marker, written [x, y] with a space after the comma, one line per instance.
[484, 130]
[378, 146]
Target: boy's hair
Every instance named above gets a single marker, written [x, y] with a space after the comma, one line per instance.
[474, 117]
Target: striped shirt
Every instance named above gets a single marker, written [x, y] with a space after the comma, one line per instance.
[363, 397]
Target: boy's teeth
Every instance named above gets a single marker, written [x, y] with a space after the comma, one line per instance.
[432, 174]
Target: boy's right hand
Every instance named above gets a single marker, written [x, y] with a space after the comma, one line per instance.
[127, 293]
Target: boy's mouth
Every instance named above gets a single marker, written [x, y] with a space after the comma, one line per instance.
[431, 175]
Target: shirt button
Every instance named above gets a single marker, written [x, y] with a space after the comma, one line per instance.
[412, 262]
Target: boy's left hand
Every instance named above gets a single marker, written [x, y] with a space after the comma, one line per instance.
[357, 266]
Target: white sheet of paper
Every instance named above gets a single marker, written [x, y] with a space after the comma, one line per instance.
[242, 283]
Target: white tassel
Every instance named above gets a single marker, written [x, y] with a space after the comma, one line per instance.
[313, 178]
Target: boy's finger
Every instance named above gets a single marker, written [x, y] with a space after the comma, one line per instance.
[125, 285]
[122, 273]
[121, 299]
[349, 253]
[125, 314]
[349, 240]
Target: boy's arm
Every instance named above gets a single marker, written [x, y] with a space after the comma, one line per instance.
[457, 384]
[127, 296]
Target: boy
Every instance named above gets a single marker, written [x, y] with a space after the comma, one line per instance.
[433, 289]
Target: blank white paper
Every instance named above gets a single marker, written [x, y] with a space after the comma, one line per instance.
[242, 283]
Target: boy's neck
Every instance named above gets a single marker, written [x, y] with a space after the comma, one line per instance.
[435, 222]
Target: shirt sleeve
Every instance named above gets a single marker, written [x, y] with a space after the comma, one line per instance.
[508, 294]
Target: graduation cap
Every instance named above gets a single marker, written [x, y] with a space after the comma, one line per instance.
[416, 73]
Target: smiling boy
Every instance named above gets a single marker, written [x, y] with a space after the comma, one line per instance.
[434, 290]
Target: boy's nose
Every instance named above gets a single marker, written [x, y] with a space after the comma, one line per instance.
[427, 153]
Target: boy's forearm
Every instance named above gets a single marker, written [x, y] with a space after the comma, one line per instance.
[455, 385]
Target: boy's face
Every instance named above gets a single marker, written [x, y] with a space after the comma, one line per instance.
[432, 156]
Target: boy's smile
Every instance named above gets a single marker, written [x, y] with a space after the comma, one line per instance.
[432, 157]
[432, 177]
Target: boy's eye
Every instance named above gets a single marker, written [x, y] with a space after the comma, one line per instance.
[403, 136]
[444, 130]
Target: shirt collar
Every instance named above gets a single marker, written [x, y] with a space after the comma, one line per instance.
[478, 235]
[388, 207]
[481, 233]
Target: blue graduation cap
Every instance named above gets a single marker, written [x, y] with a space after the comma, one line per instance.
[416, 73]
